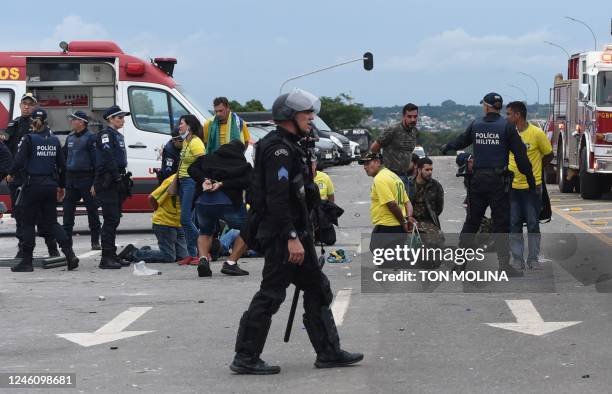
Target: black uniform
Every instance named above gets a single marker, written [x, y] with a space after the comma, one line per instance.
[111, 161]
[80, 153]
[42, 165]
[6, 159]
[288, 193]
[493, 138]
[16, 129]
[170, 161]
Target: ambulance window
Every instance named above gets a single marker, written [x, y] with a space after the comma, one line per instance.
[604, 89]
[177, 111]
[6, 107]
[150, 109]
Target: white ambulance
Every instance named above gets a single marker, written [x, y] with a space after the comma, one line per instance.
[91, 76]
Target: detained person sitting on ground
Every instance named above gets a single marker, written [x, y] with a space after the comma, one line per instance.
[166, 227]
[221, 179]
[427, 198]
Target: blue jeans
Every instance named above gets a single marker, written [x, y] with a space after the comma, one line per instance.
[209, 215]
[525, 208]
[186, 192]
[171, 243]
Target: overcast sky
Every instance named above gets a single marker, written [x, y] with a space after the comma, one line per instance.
[425, 51]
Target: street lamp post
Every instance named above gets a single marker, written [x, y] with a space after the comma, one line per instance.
[536, 83]
[520, 89]
[558, 46]
[584, 24]
[367, 59]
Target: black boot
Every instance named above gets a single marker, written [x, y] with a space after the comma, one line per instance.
[71, 259]
[95, 241]
[52, 247]
[19, 254]
[108, 261]
[250, 341]
[323, 335]
[25, 265]
[122, 262]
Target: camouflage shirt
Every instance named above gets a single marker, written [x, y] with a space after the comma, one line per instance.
[397, 144]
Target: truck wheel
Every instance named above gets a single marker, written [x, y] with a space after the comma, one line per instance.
[589, 186]
[565, 186]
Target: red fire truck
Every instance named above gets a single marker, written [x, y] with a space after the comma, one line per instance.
[91, 76]
[582, 124]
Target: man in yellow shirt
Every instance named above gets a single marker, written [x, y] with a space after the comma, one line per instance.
[224, 127]
[326, 187]
[524, 204]
[166, 227]
[391, 210]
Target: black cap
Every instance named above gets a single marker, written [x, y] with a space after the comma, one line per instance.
[79, 115]
[115, 111]
[368, 156]
[493, 100]
[39, 113]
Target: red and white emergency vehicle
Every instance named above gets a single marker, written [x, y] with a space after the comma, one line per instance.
[582, 124]
[91, 76]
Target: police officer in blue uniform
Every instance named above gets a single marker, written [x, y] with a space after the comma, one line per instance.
[40, 159]
[111, 162]
[16, 129]
[171, 156]
[80, 153]
[492, 138]
[282, 196]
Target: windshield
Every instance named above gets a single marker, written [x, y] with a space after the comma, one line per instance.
[604, 88]
[193, 102]
[320, 124]
[257, 133]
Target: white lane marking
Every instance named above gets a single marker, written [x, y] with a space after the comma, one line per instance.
[111, 331]
[340, 305]
[89, 254]
[529, 321]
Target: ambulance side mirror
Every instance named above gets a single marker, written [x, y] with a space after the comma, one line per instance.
[583, 92]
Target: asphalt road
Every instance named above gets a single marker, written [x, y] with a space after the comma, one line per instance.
[429, 343]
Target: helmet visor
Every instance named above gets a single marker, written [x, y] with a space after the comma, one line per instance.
[300, 100]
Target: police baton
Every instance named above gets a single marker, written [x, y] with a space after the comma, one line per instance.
[294, 302]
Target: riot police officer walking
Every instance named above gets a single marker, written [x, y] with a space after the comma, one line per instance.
[40, 159]
[109, 181]
[16, 129]
[492, 137]
[281, 197]
[80, 153]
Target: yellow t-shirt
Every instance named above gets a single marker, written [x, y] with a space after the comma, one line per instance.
[168, 212]
[326, 187]
[190, 152]
[387, 187]
[538, 146]
[224, 135]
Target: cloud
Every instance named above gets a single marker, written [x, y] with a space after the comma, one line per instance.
[73, 27]
[457, 49]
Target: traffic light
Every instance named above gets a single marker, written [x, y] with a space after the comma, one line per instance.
[368, 61]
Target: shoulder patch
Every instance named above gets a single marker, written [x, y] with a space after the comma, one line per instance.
[281, 152]
[283, 173]
[105, 138]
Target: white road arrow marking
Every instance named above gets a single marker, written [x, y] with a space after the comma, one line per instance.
[529, 321]
[111, 331]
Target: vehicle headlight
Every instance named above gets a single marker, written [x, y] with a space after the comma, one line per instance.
[317, 150]
[336, 141]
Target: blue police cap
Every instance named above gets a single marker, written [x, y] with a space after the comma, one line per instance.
[39, 113]
[115, 111]
[493, 99]
[79, 115]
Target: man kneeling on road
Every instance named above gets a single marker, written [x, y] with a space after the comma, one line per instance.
[390, 209]
[166, 227]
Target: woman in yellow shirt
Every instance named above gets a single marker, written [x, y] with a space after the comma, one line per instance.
[190, 131]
